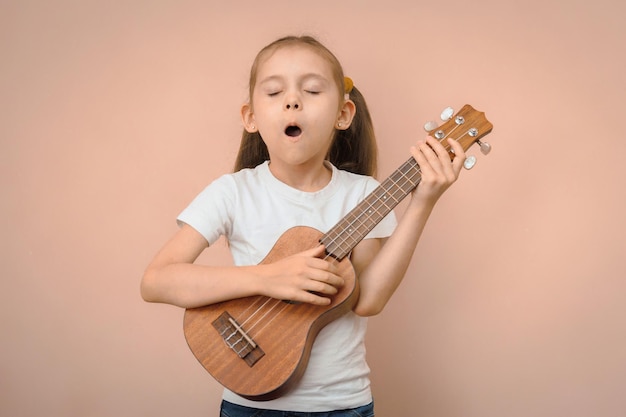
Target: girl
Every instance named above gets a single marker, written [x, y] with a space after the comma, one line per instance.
[307, 157]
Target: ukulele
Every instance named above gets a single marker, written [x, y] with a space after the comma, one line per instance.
[258, 347]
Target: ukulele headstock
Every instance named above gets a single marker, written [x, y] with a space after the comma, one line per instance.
[467, 127]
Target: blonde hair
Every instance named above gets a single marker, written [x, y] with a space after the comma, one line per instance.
[352, 150]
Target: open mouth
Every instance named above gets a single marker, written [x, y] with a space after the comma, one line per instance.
[293, 131]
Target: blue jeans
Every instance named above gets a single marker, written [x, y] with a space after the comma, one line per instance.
[233, 410]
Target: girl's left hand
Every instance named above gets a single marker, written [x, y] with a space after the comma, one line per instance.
[438, 171]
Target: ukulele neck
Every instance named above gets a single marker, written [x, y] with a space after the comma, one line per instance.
[345, 235]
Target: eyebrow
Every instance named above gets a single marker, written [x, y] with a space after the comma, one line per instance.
[305, 77]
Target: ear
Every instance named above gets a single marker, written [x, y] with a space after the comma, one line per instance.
[346, 114]
[247, 117]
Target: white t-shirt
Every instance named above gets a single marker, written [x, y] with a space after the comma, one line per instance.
[252, 208]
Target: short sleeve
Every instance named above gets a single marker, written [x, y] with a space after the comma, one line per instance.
[210, 213]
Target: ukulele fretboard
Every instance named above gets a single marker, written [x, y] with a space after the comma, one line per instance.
[345, 235]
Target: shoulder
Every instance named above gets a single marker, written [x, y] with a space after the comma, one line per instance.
[233, 182]
[360, 182]
[250, 177]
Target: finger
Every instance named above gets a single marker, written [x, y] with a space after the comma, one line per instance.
[321, 288]
[442, 153]
[450, 164]
[425, 156]
[312, 298]
[315, 292]
[459, 155]
[319, 260]
[435, 161]
[419, 149]
[457, 147]
[435, 145]
[435, 150]
[327, 276]
[317, 252]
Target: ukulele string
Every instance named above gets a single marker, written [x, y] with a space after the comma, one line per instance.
[260, 310]
[390, 189]
[397, 187]
[256, 301]
[278, 302]
[275, 303]
[328, 255]
[387, 192]
[394, 186]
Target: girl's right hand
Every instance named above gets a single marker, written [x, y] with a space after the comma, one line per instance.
[304, 277]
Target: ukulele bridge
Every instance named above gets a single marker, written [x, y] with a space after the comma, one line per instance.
[237, 339]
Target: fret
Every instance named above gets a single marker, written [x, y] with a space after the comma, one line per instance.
[343, 237]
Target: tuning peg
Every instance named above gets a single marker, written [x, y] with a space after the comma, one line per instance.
[485, 148]
[447, 113]
[430, 126]
[469, 162]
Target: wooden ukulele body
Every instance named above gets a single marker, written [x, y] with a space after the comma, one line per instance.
[283, 332]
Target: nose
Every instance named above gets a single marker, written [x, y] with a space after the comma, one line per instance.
[292, 101]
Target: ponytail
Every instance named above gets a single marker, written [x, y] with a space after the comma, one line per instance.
[354, 149]
[252, 151]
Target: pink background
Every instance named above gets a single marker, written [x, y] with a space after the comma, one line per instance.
[113, 115]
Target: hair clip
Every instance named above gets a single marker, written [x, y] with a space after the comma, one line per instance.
[348, 84]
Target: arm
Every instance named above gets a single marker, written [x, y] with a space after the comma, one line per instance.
[173, 278]
[381, 265]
